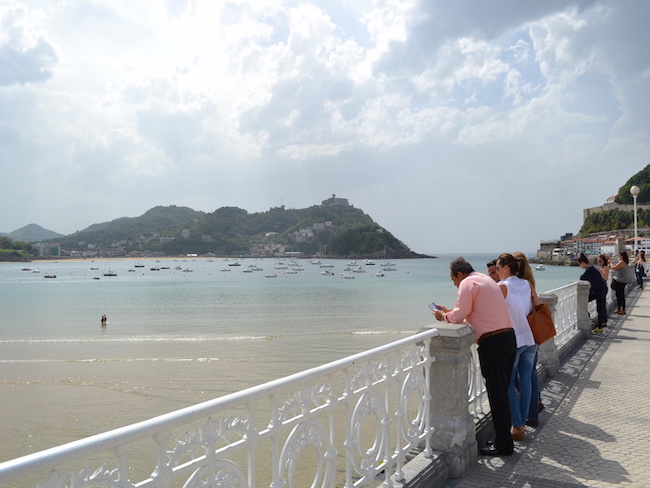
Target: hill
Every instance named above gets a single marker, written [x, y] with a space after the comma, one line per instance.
[32, 233]
[342, 230]
[619, 218]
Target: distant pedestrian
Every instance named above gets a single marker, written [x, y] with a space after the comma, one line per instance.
[639, 269]
[603, 267]
[620, 280]
[481, 305]
[597, 291]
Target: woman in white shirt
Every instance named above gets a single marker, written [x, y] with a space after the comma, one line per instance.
[519, 297]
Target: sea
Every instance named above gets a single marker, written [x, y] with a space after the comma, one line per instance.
[191, 331]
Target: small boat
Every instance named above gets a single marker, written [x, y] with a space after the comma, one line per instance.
[26, 269]
[154, 268]
[107, 270]
[49, 275]
[327, 272]
[94, 269]
[95, 277]
[270, 276]
[131, 271]
[347, 276]
[540, 267]
[247, 271]
[234, 264]
[225, 270]
[369, 262]
[187, 270]
[379, 274]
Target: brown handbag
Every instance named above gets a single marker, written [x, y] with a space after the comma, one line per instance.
[541, 323]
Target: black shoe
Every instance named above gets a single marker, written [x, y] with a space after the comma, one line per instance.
[532, 423]
[492, 451]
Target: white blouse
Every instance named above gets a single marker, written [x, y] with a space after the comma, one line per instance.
[519, 303]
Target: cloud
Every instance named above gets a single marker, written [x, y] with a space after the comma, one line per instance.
[431, 116]
[26, 56]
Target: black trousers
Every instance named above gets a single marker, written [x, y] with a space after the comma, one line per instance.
[497, 356]
[601, 308]
[620, 294]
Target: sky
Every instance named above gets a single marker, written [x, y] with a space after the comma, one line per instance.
[460, 127]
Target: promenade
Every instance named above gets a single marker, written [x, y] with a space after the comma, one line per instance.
[595, 428]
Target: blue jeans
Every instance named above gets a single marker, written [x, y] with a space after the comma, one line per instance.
[533, 410]
[522, 374]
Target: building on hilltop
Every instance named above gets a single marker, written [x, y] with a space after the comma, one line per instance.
[336, 201]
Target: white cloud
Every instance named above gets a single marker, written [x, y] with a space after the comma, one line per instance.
[451, 110]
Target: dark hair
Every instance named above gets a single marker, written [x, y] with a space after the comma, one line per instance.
[515, 265]
[491, 263]
[524, 268]
[582, 258]
[625, 257]
[604, 259]
[460, 265]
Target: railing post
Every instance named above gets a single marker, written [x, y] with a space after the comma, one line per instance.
[454, 432]
[584, 322]
[547, 355]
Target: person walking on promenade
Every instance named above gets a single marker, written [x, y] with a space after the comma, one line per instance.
[481, 305]
[536, 404]
[519, 297]
[597, 291]
[639, 269]
[620, 280]
[603, 267]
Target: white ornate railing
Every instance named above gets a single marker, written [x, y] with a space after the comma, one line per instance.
[566, 312]
[476, 392]
[348, 423]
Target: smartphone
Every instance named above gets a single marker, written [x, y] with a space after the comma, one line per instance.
[433, 306]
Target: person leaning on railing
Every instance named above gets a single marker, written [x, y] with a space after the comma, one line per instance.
[597, 291]
[481, 305]
[520, 296]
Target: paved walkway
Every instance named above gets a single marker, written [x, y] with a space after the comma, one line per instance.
[595, 430]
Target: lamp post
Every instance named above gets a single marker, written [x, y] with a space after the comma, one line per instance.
[635, 191]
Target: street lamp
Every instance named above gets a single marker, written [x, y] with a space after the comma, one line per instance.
[635, 191]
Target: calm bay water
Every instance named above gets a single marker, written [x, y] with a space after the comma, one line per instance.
[175, 338]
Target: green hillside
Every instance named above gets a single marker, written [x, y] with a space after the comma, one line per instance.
[230, 231]
[611, 220]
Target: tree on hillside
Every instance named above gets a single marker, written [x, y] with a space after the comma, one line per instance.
[642, 180]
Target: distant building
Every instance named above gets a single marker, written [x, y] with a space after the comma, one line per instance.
[185, 233]
[336, 201]
[48, 249]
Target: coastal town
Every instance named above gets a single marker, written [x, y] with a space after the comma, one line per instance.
[567, 248]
